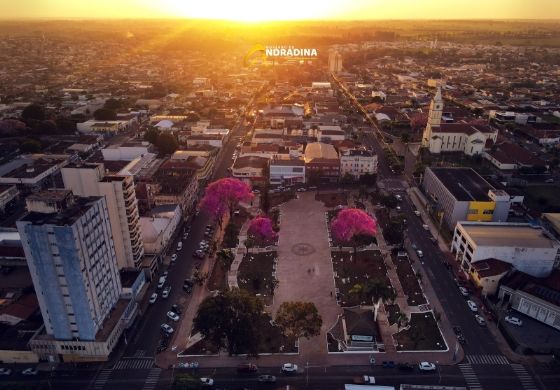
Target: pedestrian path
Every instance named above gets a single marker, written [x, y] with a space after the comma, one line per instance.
[101, 379]
[470, 376]
[134, 364]
[152, 379]
[526, 379]
[487, 359]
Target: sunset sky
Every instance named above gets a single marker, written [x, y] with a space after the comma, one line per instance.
[263, 10]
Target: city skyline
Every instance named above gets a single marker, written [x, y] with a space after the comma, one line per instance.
[254, 11]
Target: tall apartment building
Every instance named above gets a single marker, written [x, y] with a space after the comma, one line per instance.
[90, 180]
[71, 259]
[358, 162]
[335, 62]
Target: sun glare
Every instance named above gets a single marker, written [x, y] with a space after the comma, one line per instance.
[251, 10]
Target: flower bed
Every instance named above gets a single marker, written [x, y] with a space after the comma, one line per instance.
[255, 275]
[368, 265]
[409, 281]
[422, 335]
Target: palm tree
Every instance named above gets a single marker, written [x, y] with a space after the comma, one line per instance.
[402, 321]
[379, 292]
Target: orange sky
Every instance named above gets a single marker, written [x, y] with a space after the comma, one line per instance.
[262, 10]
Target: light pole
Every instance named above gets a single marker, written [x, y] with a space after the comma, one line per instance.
[307, 374]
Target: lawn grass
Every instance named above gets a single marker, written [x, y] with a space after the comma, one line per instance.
[255, 275]
[409, 281]
[422, 335]
[369, 265]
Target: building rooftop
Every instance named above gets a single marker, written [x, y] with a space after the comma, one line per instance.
[463, 183]
[498, 234]
[315, 150]
[65, 217]
[491, 267]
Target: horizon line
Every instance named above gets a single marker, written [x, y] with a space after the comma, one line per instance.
[175, 18]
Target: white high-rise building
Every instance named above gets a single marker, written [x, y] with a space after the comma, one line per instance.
[118, 190]
[71, 258]
[335, 62]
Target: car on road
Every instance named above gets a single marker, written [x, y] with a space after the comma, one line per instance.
[247, 368]
[461, 339]
[419, 253]
[267, 378]
[199, 254]
[398, 197]
[388, 364]
[207, 382]
[153, 298]
[256, 191]
[398, 208]
[5, 371]
[464, 292]
[425, 227]
[405, 367]
[549, 181]
[161, 282]
[173, 257]
[481, 321]
[166, 291]
[300, 190]
[417, 213]
[513, 320]
[173, 316]
[180, 245]
[30, 371]
[289, 368]
[176, 309]
[164, 274]
[426, 366]
[472, 306]
[185, 236]
[167, 329]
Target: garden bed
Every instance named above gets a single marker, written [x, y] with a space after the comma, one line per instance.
[255, 275]
[202, 347]
[392, 313]
[277, 198]
[218, 277]
[232, 229]
[348, 273]
[423, 334]
[332, 199]
[409, 281]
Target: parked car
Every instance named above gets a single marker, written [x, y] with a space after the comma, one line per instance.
[30, 371]
[549, 181]
[175, 308]
[364, 380]
[161, 282]
[405, 367]
[513, 320]
[153, 298]
[199, 254]
[166, 291]
[388, 364]
[173, 316]
[267, 378]
[164, 274]
[464, 292]
[256, 191]
[426, 366]
[174, 257]
[167, 329]
[461, 339]
[289, 368]
[481, 321]
[185, 236]
[5, 371]
[472, 306]
[425, 227]
[180, 245]
[417, 213]
[300, 190]
[419, 253]
[207, 382]
[247, 368]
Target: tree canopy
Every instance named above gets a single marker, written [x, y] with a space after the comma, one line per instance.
[166, 143]
[224, 195]
[33, 111]
[230, 320]
[104, 114]
[299, 319]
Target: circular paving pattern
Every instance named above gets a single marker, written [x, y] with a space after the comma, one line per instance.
[302, 249]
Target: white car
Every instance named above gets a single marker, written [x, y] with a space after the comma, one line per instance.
[207, 382]
[30, 371]
[513, 320]
[289, 368]
[167, 329]
[417, 213]
[166, 291]
[425, 227]
[173, 257]
[179, 245]
[426, 366]
[472, 306]
[420, 253]
[481, 321]
[173, 316]
[464, 292]
[153, 298]
[5, 371]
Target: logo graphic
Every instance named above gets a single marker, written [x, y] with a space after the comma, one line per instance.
[260, 54]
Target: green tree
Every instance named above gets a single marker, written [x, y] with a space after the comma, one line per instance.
[193, 117]
[368, 179]
[30, 146]
[112, 104]
[47, 127]
[231, 320]
[389, 201]
[249, 243]
[151, 135]
[104, 114]
[185, 382]
[299, 319]
[166, 143]
[34, 112]
[405, 138]
[225, 256]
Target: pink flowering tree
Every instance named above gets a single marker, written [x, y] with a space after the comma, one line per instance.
[261, 231]
[225, 195]
[353, 227]
[418, 120]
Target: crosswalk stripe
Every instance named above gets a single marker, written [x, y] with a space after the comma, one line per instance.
[101, 379]
[487, 359]
[524, 377]
[470, 376]
[134, 364]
